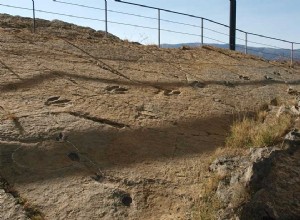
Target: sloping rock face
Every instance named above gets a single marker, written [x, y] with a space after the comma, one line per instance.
[275, 193]
[98, 128]
[264, 184]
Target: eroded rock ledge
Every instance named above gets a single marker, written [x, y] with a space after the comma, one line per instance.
[263, 184]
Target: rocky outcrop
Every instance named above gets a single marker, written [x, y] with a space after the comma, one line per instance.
[263, 184]
[53, 28]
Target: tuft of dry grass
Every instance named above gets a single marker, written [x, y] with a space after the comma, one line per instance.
[240, 196]
[33, 212]
[208, 204]
[260, 131]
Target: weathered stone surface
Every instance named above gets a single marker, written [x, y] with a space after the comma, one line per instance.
[9, 208]
[269, 176]
[142, 120]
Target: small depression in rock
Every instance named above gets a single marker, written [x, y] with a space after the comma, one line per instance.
[197, 84]
[98, 177]
[74, 156]
[60, 137]
[126, 200]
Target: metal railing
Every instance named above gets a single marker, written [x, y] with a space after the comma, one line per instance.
[218, 23]
[178, 13]
[201, 25]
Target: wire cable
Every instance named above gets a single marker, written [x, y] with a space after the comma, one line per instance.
[83, 6]
[215, 31]
[54, 13]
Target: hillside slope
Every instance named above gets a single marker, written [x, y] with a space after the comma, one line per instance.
[95, 127]
[264, 52]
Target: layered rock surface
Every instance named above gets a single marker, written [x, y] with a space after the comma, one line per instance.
[95, 127]
[263, 184]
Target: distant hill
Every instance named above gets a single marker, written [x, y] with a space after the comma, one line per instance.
[265, 52]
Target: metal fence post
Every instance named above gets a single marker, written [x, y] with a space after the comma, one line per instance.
[158, 10]
[202, 23]
[292, 54]
[246, 42]
[33, 15]
[232, 31]
[105, 18]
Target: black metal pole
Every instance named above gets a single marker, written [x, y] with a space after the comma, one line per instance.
[232, 25]
[33, 15]
[105, 18]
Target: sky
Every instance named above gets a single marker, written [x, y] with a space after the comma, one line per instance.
[274, 18]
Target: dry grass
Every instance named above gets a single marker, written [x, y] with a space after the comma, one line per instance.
[240, 196]
[260, 131]
[208, 204]
[33, 212]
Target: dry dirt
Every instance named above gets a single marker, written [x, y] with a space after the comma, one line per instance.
[143, 121]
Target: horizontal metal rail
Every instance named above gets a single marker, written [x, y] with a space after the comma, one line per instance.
[272, 38]
[80, 5]
[173, 12]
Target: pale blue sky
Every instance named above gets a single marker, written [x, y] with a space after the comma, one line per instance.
[276, 18]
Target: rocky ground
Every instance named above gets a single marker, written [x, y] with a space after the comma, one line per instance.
[262, 184]
[98, 128]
